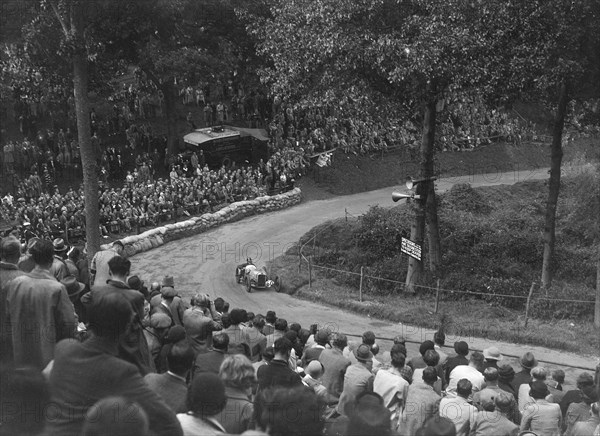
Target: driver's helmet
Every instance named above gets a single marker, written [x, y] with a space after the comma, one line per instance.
[249, 261]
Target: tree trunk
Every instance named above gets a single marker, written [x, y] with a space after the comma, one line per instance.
[171, 112]
[427, 171]
[88, 158]
[597, 306]
[417, 233]
[554, 188]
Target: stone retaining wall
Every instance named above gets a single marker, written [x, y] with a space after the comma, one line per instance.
[161, 235]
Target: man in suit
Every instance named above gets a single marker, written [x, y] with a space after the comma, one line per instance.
[99, 269]
[87, 372]
[38, 310]
[211, 361]
[335, 365]
[278, 372]
[10, 251]
[133, 347]
[171, 385]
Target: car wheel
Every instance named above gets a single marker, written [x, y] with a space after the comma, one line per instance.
[277, 284]
[248, 286]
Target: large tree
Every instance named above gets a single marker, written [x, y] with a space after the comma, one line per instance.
[408, 52]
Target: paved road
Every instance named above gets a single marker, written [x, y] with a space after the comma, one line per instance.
[206, 263]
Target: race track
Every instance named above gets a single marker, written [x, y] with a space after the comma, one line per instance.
[206, 263]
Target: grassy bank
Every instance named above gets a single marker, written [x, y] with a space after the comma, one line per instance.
[492, 244]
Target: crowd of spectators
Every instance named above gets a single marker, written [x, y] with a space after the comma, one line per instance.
[121, 357]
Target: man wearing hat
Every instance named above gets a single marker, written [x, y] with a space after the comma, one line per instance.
[10, 251]
[26, 263]
[492, 356]
[74, 289]
[59, 267]
[199, 325]
[493, 418]
[155, 333]
[541, 417]
[506, 375]
[491, 391]
[132, 347]
[39, 311]
[358, 378]
[99, 270]
[584, 381]
[169, 302]
[528, 362]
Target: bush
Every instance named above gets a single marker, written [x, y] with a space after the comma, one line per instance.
[380, 231]
[462, 197]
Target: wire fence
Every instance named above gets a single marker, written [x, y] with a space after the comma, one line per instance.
[437, 289]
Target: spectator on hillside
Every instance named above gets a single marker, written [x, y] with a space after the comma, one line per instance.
[278, 372]
[59, 267]
[133, 346]
[313, 353]
[369, 417]
[418, 362]
[580, 412]
[237, 373]
[537, 374]
[172, 385]
[269, 327]
[368, 338]
[493, 419]
[314, 371]
[205, 401]
[238, 336]
[589, 427]
[10, 251]
[431, 358]
[584, 381]
[256, 340]
[84, 373]
[390, 384]
[211, 361]
[421, 404]
[491, 391]
[39, 311]
[555, 385]
[99, 270]
[280, 327]
[541, 417]
[357, 379]
[439, 339]
[199, 324]
[528, 362]
[107, 417]
[471, 372]
[461, 348]
[458, 409]
[335, 365]
[492, 356]
[506, 375]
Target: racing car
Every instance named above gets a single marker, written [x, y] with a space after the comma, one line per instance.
[256, 278]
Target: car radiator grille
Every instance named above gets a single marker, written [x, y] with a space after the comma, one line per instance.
[261, 280]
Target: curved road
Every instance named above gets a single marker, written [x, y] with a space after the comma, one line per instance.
[206, 263]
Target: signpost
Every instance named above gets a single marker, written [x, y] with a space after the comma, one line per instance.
[412, 249]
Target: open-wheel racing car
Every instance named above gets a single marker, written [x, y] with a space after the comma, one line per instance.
[253, 277]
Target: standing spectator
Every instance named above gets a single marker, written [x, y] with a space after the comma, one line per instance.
[133, 346]
[238, 337]
[212, 360]
[84, 373]
[171, 305]
[335, 365]
[205, 401]
[256, 340]
[278, 372]
[269, 327]
[10, 251]
[237, 373]
[439, 339]
[458, 410]
[280, 326]
[493, 420]
[26, 262]
[390, 384]
[199, 325]
[155, 333]
[59, 267]
[71, 262]
[107, 417]
[421, 404]
[99, 271]
[39, 311]
[172, 385]
[542, 418]
[358, 379]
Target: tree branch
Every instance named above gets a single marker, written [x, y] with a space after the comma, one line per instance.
[60, 19]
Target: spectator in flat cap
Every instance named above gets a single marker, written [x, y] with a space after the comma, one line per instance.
[155, 333]
[335, 365]
[172, 385]
[169, 303]
[10, 252]
[206, 399]
[527, 362]
[237, 373]
[87, 372]
[471, 372]
[99, 269]
[421, 404]
[461, 348]
[541, 417]
[134, 347]
[106, 417]
[38, 311]
[506, 374]
[494, 420]
[358, 379]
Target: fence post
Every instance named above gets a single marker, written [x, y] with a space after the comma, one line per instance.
[361, 282]
[346, 213]
[314, 237]
[529, 302]
[299, 256]
[437, 296]
[309, 273]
